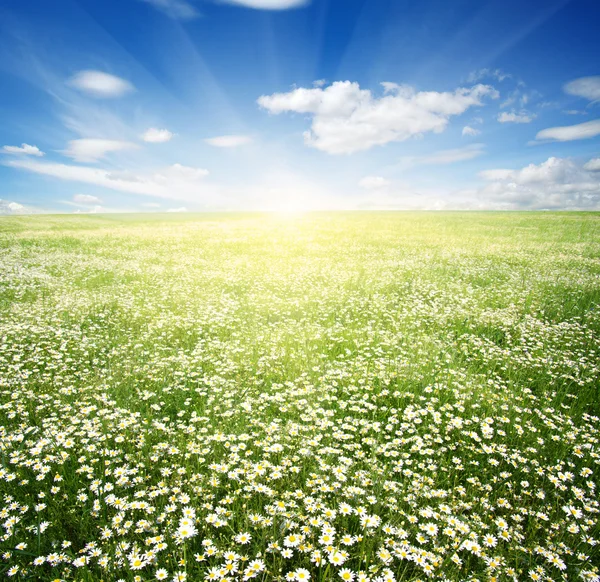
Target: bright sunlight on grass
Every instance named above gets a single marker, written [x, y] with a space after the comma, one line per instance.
[384, 396]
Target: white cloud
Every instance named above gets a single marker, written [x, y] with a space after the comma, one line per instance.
[444, 157]
[154, 135]
[86, 199]
[373, 182]
[175, 182]
[468, 130]
[553, 170]
[11, 207]
[180, 209]
[178, 173]
[183, 10]
[92, 150]
[347, 119]
[571, 132]
[407, 197]
[586, 87]
[151, 205]
[593, 165]
[93, 210]
[229, 141]
[557, 183]
[269, 4]
[25, 150]
[99, 84]
[454, 155]
[497, 74]
[513, 117]
[176, 9]
[499, 174]
[518, 95]
[86, 175]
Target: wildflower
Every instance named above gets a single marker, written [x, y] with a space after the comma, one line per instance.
[243, 538]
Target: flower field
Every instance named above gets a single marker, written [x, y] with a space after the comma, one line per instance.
[347, 397]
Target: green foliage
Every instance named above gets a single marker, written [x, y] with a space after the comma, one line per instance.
[355, 396]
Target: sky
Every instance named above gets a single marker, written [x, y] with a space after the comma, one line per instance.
[294, 105]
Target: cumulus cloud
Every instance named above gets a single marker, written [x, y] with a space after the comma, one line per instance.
[373, 183]
[101, 85]
[25, 150]
[92, 150]
[593, 165]
[570, 132]
[229, 141]
[513, 117]
[586, 87]
[11, 207]
[557, 183]
[86, 199]
[175, 182]
[269, 4]
[347, 119]
[468, 130]
[151, 205]
[154, 135]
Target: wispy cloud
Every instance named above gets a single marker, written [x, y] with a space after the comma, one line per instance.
[100, 84]
[374, 183]
[347, 119]
[585, 130]
[229, 141]
[24, 150]
[585, 87]
[269, 4]
[92, 150]
[444, 157]
[480, 74]
[176, 182]
[176, 9]
[86, 199]
[513, 117]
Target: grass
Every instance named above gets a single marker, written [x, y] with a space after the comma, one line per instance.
[344, 396]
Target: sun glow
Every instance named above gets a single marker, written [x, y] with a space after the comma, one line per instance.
[291, 202]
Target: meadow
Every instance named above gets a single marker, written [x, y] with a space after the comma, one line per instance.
[330, 397]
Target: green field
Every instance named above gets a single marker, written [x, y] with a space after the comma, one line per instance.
[358, 396]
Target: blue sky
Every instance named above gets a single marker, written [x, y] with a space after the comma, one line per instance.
[165, 105]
